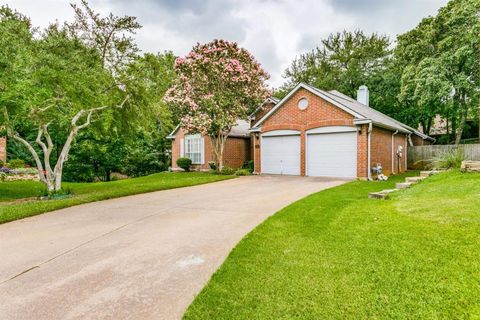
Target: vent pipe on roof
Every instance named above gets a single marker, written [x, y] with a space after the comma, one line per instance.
[362, 95]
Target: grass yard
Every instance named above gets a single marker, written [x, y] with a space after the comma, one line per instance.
[338, 255]
[89, 192]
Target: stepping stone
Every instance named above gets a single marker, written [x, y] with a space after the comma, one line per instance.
[381, 194]
[414, 179]
[426, 174]
[403, 185]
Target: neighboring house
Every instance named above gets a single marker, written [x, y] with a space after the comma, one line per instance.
[199, 147]
[310, 132]
[3, 150]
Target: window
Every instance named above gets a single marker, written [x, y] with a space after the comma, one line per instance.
[194, 148]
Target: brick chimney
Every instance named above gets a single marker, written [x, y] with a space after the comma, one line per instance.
[362, 95]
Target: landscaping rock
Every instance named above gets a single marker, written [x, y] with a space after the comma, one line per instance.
[470, 166]
[414, 179]
[426, 174]
[381, 194]
[403, 185]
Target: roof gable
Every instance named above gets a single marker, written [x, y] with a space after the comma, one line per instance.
[313, 90]
[358, 110]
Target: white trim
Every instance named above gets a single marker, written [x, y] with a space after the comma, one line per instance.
[202, 150]
[182, 148]
[331, 129]
[315, 92]
[276, 133]
[369, 171]
[393, 152]
[405, 153]
[172, 134]
[362, 121]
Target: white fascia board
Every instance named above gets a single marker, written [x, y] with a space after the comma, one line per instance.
[331, 129]
[362, 121]
[276, 133]
[172, 134]
[254, 130]
[315, 92]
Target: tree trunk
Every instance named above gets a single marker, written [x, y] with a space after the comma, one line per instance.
[463, 119]
[218, 144]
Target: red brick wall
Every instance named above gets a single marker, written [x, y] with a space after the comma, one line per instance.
[417, 141]
[381, 149]
[260, 113]
[322, 113]
[3, 150]
[236, 152]
[319, 113]
[362, 155]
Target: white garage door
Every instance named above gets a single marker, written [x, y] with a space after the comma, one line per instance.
[332, 154]
[280, 154]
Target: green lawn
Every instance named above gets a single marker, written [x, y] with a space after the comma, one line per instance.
[338, 255]
[89, 192]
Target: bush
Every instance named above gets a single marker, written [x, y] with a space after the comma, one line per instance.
[184, 163]
[449, 160]
[213, 165]
[243, 172]
[227, 171]
[249, 165]
[16, 163]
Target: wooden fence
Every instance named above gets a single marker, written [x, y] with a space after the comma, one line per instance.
[417, 156]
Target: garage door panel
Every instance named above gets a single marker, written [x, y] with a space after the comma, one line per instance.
[332, 154]
[281, 155]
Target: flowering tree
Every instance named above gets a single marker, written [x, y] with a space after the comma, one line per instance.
[217, 84]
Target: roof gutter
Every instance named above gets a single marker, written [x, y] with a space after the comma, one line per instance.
[369, 174]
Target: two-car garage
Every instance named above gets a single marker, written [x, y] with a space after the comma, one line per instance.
[329, 152]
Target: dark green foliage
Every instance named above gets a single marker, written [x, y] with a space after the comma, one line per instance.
[243, 172]
[184, 163]
[16, 163]
[227, 171]
[249, 165]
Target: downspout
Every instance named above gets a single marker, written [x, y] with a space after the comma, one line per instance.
[406, 148]
[369, 173]
[393, 152]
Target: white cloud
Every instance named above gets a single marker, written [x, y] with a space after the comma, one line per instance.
[275, 31]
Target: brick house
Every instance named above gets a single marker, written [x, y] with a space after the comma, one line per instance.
[199, 148]
[311, 132]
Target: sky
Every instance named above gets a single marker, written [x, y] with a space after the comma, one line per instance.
[274, 31]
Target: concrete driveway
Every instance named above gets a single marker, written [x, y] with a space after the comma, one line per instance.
[137, 257]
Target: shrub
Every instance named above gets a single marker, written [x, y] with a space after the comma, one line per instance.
[3, 176]
[449, 160]
[227, 171]
[243, 172]
[184, 163]
[16, 163]
[249, 165]
[213, 165]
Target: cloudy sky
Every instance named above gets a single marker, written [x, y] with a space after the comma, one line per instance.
[275, 31]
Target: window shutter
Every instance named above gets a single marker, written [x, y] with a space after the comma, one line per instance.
[182, 146]
[202, 150]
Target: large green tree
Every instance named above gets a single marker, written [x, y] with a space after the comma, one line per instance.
[63, 83]
[344, 61]
[440, 63]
